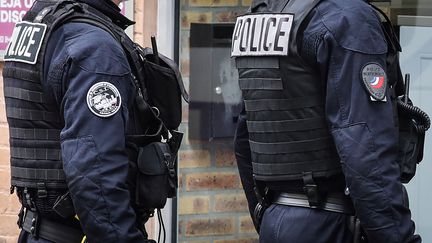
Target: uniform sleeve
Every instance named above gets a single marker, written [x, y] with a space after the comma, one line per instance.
[94, 107]
[364, 131]
[244, 161]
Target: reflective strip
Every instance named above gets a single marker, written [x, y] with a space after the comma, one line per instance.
[37, 174]
[23, 94]
[290, 147]
[22, 73]
[25, 114]
[35, 153]
[30, 133]
[282, 104]
[286, 125]
[260, 83]
[257, 62]
[295, 167]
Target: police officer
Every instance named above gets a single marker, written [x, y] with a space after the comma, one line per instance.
[68, 122]
[317, 138]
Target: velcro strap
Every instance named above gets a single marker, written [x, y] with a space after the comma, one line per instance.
[37, 174]
[290, 147]
[286, 125]
[33, 115]
[24, 94]
[295, 167]
[260, 83]
[35, 153]
[37, 134]
[21, 73]
[282, 104]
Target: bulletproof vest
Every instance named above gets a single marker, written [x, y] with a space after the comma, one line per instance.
[34, 118]
[283, 95]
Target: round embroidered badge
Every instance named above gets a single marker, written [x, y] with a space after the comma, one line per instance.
[375, 80]
[103, 99]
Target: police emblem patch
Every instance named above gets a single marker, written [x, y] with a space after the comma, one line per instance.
[103, 99]
[375, 80]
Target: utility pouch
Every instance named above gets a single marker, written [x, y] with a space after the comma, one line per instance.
[164, 87]
[156, 177]
[63, 206]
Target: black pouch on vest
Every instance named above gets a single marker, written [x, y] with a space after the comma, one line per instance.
[156, 175]
[164, 87]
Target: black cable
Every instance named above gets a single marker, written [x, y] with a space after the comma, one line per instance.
[161, 225]
[421, 118]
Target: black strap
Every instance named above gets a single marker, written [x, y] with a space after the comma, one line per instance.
[295, 168]
[33, 115]
[333, 203]
[36, 134]
[282, 104]
[260, 83]
[37, 174]
[24, 94]
[290, 147]
[286, 125]
[51, 231]
[35, 153]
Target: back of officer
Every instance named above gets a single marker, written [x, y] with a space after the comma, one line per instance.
[318, 133]
[68, 123]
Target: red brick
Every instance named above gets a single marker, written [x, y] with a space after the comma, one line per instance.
[4, 156]
[246, 225]
[225, 158]
[2, 114]
[4, 178]
[231, 203]
[194, 158]
[211, 181]
[11, 239]
[9, 203]
[8, 226]
[229, 16]
[208, 227]
[194, 204]
[4, 135]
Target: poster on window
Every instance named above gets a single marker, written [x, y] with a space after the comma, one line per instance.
[12, 11]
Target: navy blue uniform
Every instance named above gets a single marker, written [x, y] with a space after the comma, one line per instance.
[341, 39]
[93, 147]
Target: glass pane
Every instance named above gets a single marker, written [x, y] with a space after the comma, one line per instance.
[211, 204]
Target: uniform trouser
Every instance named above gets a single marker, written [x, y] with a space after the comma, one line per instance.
[288, 224]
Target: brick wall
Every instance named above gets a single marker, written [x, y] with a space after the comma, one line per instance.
[212, 206]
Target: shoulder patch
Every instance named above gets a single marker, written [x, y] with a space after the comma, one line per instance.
[26, 41]
[375, 80]
[103, 99]
[262, 35]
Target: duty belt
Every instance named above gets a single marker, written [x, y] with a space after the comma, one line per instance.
[49, 230]
[334, 202]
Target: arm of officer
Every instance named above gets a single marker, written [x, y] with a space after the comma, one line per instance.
[97, 90]
[244, 160]
[352, 55]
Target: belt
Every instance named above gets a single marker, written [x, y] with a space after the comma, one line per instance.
[334, 203]
[49, 230]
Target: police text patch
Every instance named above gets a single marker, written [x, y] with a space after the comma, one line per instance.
[375, 80]
[262, 35]
[26, 42]
[103, 99]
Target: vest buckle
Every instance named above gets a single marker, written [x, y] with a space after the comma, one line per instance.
[311, 190]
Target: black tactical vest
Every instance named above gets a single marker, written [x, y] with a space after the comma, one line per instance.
[284, 96]
[34, 118]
